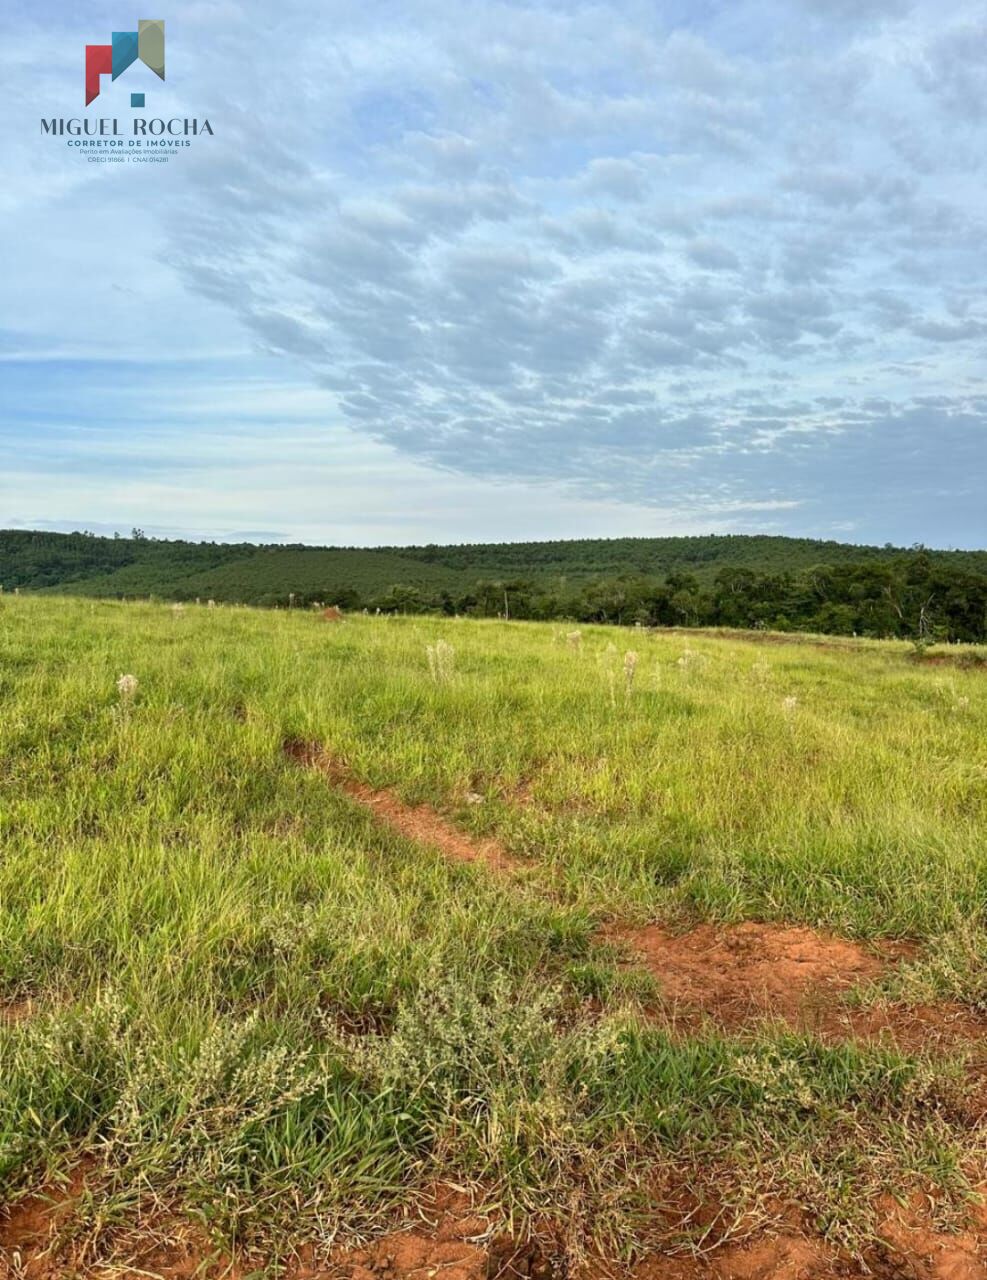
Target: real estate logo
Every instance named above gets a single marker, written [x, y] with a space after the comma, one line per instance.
[115, 138]
[147, 44]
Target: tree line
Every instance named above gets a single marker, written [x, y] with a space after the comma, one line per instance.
[766, 582]
[914, 597]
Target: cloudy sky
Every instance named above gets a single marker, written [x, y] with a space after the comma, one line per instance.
[503, 270]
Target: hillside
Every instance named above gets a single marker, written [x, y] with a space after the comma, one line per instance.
[737, 581]
[116, 567]
[659, 557]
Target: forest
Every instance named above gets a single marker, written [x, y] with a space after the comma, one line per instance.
[750, 582]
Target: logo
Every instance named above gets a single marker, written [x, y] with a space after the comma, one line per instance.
[116, 139]
[146, 44]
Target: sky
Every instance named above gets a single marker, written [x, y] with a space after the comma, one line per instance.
[502, 271]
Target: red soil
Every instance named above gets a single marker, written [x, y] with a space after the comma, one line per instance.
[749, 970]
[417, 1255]
[963, 661]
[13, 1011]
[910, 1246]
[29, 1231]
[456, 1245]
[907, 1245]
[735, 975]
[742, 974]
[420, 823]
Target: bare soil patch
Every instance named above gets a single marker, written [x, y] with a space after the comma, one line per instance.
[769, 1257]
[37, 1243]
[750, 970]
[909, 1245]
[14, 1011]
[803, 639]
[30, 1231]
[41, 1239]
[901, 1252]
[964, 661]
[26, 1231]
[420, 823]
[416, 1255]
[743, 974]
[456, 1243]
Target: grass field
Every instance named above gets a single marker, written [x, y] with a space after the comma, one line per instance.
[240, 1005]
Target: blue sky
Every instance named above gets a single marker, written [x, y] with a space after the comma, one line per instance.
[504, 270]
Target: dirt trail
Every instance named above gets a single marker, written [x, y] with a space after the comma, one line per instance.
[737, 975]
[420, 823]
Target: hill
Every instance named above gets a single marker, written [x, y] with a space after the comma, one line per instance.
[659, 557]
[265, 574]
[731, 580]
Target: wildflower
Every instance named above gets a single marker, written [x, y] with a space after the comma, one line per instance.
[630, 666]
[127, 687]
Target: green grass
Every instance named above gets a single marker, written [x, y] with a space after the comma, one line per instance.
[257, 1009]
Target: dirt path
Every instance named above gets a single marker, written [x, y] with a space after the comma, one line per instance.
[735, 975]
[420, 823]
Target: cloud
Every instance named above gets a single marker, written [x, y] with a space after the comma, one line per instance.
[671, 267]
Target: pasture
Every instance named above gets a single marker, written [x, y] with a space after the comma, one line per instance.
[550, 950]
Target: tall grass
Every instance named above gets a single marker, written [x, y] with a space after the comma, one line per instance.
[259, 1009]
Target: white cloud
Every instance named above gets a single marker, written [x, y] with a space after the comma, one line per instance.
[540, 244]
